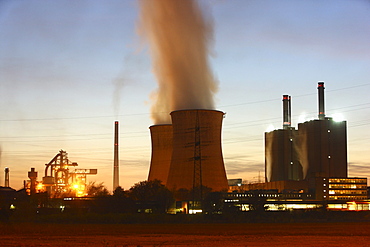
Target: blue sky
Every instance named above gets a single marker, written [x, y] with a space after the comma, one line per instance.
[68, 69]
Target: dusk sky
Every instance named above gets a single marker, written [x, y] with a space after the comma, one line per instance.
[69, 69]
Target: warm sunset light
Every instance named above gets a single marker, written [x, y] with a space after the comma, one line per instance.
[66, 77]
[114, 132]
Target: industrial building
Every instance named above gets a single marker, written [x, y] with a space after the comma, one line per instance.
[317, 149]
[281, 153]
[349, 189]
[193, 144]
[323, 148]
[311, 159]
[59, 179]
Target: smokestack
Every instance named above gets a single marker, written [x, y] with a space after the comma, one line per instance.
[321, 88]
[115, 162]
[6, 177]
[286, 112]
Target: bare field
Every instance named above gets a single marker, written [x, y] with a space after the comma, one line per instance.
[258, 234]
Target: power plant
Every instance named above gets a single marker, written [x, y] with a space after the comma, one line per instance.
[281, 154]
[193, 144]
[317, 149]
[323, 144]
[305, 168]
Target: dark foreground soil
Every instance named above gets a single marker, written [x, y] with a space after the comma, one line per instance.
[251, 234]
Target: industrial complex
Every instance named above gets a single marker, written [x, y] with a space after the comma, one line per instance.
[305, 168]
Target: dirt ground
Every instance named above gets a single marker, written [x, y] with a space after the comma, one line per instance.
[264, 234]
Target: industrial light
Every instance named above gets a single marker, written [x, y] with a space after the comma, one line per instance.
[338, 117]
[302, 118]
[270, 128]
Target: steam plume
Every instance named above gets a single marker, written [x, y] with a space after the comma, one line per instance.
[178, 35]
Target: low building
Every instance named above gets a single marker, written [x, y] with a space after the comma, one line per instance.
[347, 189]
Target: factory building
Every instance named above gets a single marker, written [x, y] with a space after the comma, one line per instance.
[317, 149]
[194, 142]
[281, 153]
[314, 157]
[341, 188]
[323, 144]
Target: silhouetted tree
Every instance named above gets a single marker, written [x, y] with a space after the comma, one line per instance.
[119, 192]
[213, 202]
[97, 190]
[121, 202]
[182, 195]
[152, 195]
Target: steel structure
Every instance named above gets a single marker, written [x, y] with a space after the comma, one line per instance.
[59, 180]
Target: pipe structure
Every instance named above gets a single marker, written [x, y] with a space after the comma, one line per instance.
[33, 177]
[287, 115]
[321, 88]
[115, 160]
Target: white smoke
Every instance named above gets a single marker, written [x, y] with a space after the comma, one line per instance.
[179, 37]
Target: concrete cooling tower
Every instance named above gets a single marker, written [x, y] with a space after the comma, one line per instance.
[161, 152]
[197, 154]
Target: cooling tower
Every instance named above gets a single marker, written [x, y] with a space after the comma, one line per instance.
[161, 152]
[197, 154]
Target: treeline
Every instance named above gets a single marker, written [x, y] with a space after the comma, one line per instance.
[150, 202]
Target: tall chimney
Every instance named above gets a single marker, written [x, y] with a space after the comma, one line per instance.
[287, 115]
[321, 88]
[115, 162]
[6, 177]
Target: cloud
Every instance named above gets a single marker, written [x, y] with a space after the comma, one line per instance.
[359, 169]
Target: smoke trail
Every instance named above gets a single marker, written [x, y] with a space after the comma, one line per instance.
[178, 35]
[118, 84]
